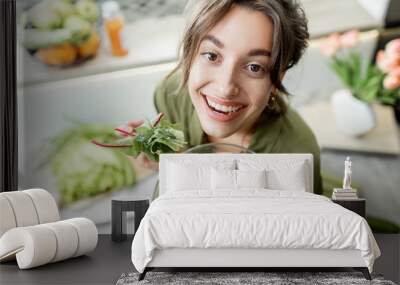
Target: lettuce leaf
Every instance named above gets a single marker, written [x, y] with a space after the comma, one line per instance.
[151, 139]
[83, 170]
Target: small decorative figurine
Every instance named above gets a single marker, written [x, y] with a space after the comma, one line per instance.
[347, 174]
[345, 193]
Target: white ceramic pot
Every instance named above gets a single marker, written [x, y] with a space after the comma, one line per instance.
[353, 117]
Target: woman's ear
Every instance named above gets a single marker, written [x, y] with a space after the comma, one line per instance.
[273, 90]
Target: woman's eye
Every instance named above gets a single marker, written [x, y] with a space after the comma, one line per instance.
[255, 68]
[210, 56]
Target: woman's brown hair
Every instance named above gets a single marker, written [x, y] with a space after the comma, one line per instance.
[290, 33]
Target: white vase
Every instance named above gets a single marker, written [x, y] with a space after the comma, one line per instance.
[353, 117]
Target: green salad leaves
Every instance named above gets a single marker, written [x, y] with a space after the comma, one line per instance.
[152, 139]
[83, 170]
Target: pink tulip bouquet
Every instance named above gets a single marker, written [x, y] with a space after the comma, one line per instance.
[368, 82]
[388, 61]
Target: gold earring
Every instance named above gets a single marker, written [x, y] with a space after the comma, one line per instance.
[272, 102]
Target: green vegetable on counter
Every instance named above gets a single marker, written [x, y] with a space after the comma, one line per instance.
[44, 17]
[50, 23]
[83, 170]
[79, 27]
[152, 139]
[35, 39]
[62, 8]
[87, 9]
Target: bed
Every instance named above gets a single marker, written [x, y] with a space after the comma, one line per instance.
[241, 210]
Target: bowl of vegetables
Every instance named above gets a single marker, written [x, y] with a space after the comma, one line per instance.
[61, 32]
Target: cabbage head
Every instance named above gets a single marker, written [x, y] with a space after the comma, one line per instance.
[84, 170]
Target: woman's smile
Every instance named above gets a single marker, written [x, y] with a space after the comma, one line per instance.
[222, 111]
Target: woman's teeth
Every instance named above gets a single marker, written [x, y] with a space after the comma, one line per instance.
[222, 108]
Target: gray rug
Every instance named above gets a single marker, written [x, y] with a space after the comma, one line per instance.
[243, 278]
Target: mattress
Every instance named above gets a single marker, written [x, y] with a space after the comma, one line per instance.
[250, 219]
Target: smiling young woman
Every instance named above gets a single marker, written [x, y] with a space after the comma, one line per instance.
[227, 86]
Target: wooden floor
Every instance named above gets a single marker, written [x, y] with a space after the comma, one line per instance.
[111, 259]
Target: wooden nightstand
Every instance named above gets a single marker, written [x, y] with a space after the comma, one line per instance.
[356, 205]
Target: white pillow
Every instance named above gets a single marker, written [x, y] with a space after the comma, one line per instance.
[235, 179]
[251, 178]
[281, 174]
[293, 178]
[182, 175]
[223, 179]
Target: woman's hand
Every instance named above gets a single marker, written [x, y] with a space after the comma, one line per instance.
[128, 128]
[146, 162]
[142, 158]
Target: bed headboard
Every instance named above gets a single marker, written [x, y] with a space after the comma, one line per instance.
[269, 160]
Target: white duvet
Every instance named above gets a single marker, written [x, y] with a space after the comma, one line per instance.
[251, 218]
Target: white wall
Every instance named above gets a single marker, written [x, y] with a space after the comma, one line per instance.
[376, 8]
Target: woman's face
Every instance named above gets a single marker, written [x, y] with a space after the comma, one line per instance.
[229, 83]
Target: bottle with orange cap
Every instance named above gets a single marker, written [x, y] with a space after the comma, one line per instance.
[114, 24]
